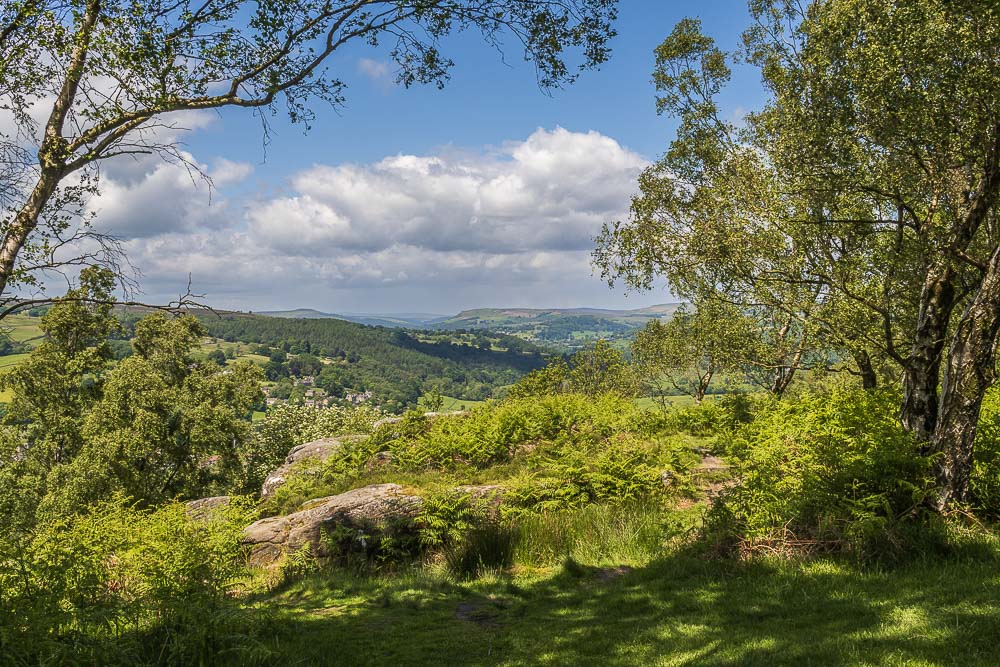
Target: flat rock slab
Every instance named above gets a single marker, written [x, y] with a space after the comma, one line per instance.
[317, 451]
[368, 507]
[490, 493]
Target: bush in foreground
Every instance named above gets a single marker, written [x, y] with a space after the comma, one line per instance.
[827, 472]
[122, 585]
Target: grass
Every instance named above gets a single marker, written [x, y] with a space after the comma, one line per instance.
[677, 609]
[621, 586]
[237, 350]
[617, 585]
[8, 362]
[22, 328]
[258, 359]
[653, 402]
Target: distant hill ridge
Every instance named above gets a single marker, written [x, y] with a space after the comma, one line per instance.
[649, 311]
[566, 329]
[411, 319]
[395, 320]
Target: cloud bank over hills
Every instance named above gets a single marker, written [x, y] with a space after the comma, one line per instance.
[453, 229]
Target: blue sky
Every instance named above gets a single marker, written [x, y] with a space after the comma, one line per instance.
[482, 194]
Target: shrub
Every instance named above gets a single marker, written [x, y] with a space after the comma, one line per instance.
[287, 426]
[446, 515]
[446, 520]
[578, 449]
[830, 471]
[118, 584]
[373, 545]
[492, 433]
[618, 469]
[702, 419]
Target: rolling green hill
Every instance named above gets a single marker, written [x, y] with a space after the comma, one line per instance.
[397, 366]
[401, 320]
[564, 328]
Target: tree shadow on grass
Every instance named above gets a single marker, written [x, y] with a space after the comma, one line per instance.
[681, 610]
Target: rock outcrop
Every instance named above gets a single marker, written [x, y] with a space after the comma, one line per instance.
[492, 493]
[367, 511]
[316, 451]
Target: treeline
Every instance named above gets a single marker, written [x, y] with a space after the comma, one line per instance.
[396, 366]
[565, 329]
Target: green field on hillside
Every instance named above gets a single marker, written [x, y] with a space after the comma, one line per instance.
[237, 351]
[9, 361]
[22, 328]
[450, 403]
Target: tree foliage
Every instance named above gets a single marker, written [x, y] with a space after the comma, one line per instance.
[860, 202]
[60, 381]
[690, 349]
[114, 78]
[151, 428]
[597, 370]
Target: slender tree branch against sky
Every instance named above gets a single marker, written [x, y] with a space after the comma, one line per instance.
[91, 81]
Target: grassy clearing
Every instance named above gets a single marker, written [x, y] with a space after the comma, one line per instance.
[653, 402]
[9, 361]
[236, 351]
[258, 359]
[22, 328]
[450, 403]
[677, 609]
[606, 584]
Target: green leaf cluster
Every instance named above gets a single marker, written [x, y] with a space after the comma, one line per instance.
[831, 471]
[116, 583]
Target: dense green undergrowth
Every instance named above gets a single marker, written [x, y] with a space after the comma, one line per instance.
[605, 549]
[547, 453]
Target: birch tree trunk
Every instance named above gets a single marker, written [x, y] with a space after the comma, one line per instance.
[970, 371]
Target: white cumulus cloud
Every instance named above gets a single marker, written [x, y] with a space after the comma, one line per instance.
[512, 225]
[549, 192]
